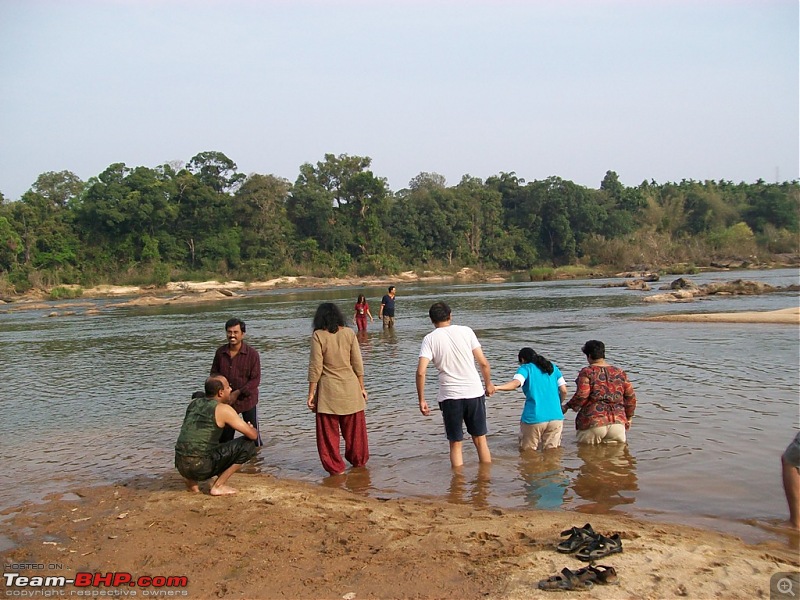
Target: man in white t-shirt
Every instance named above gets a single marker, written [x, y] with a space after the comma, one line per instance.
[454, 349]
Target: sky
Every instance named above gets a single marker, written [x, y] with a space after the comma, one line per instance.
[660, 90]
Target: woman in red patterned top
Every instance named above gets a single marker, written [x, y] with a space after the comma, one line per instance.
[361, 313]
[605, 400]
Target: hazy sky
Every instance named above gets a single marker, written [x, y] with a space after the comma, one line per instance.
[652, 89]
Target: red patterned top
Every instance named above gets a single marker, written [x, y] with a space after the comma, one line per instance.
[604, 397]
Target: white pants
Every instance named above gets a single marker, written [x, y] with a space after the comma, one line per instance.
[602, 435]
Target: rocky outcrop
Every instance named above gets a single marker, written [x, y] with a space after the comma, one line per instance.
[631, 284]
[676, 296]
[681, 284]
[686, 291]
[643, 275]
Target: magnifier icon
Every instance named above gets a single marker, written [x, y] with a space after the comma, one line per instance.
[785, 586]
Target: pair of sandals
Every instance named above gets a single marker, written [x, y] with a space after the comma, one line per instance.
[589, 544]
[580, 580]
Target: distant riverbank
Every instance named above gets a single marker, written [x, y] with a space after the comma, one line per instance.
[210, 290]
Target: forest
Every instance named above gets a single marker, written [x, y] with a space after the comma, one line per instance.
[204, 219]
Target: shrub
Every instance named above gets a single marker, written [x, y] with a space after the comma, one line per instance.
[65, 293]
[542, 274]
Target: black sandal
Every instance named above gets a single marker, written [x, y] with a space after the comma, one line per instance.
[564, 582]
[601, 546]
[602, 574]
[578, 537]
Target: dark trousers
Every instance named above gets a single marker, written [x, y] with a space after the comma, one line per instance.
[249, 416]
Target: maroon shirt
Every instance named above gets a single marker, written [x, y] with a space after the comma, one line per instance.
[243, 372]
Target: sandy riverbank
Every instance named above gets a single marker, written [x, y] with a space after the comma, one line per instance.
[195, 292]
[287, 539]
[790, 316]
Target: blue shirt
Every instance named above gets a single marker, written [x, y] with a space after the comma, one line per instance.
[388, 306]
[542, 402]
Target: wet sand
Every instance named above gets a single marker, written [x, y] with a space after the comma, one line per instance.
[287, 539]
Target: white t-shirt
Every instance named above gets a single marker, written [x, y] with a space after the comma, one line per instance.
[450, 350]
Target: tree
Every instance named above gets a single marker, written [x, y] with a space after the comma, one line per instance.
[427, 180]
[43, 221]
[130, 212]
[622, 206]
[259, 210]
[10, 245]
[216, 170]
[778, 206]
[338, 202]
[58, 188]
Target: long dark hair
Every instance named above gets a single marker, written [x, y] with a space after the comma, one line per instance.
[529, 355]
[328, 317]
[360, 298]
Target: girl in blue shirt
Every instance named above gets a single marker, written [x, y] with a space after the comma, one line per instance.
[545, 391]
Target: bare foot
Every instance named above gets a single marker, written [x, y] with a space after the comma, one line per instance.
[191, 486]
[222, 490]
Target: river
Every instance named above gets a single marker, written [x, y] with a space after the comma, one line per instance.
[99, 398]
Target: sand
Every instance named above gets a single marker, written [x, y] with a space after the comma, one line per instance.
[790, 316]
[286, 539]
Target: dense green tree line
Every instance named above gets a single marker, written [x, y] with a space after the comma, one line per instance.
[204, 218]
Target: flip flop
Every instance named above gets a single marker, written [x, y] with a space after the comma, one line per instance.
[578, 537]
[566, 581]
[601, 546]
[602, 574]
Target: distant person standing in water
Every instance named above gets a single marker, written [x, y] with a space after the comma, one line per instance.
[545, 391]
[454, 349]
[605, 400]
[241, 366]
[386, 313]
[361, 313]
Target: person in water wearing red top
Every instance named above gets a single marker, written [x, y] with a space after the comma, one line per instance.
[361, 313]
[605, 400]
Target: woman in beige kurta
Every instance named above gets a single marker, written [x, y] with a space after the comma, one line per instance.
[336, 391]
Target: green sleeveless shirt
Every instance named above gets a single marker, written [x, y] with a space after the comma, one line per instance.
[199, 432]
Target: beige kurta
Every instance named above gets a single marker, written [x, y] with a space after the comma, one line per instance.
[335, 365]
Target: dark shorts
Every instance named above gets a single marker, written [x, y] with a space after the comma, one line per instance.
[469, 411]
[222, 457]
[792, 454]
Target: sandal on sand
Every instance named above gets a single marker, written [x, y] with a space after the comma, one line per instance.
[602, 574]
[566, 581]
[578, 537]
[601, 546]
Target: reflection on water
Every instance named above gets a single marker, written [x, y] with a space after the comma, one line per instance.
[607, 473]
[100, 398]
[546, 481]
[356, 480]
[474, 490]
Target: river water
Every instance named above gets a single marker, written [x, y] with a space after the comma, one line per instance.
[97, 399]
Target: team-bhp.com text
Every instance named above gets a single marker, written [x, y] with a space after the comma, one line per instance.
[94, 584]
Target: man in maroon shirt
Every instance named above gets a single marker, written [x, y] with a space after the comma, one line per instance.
[241, 365]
